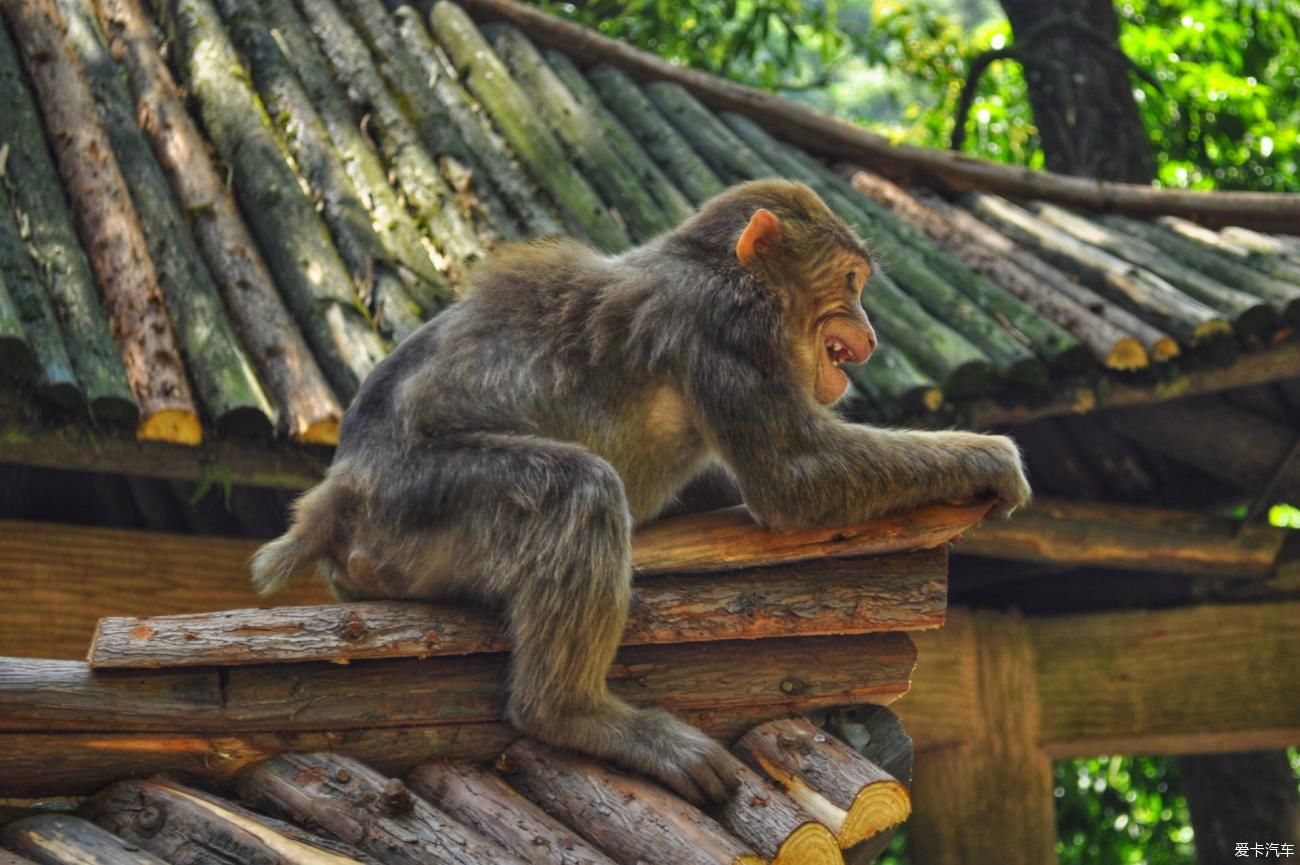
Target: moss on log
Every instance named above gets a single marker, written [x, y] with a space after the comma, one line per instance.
[108, 226]
[223, 375]
[894, 385]
[514, 115]
[291, 235]
[307, 408]
[445, 212]
[45, 226]
[730, 157]
[516, 187]
[659, 137]
[674, 205]
[15, 354]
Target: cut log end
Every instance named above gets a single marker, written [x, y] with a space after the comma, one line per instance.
[246, 422]
[932, 398]
[749, 859]
[114, 409]
[1128, 354]
[174, 425]
[1165, 349]
[877, 807]
[810, 844]
[322, 432]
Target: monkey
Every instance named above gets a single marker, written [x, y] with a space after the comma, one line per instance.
[503, 453]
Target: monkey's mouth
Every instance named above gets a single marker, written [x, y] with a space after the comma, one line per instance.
[846, 341]
[839, 353]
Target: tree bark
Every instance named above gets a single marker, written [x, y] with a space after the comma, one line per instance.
[632, 818]
[834, 596]
[61, 839]
[357, 804]
[307, 408]
[478, 798]
[109, 227]
[223, 375]
[854, 797]
[768, 820]
[1240, 797]
[1080, 90]
[45, 227]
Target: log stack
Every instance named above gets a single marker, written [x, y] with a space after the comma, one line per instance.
[733, 627]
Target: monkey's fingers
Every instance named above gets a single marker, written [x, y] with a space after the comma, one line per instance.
[714, 774]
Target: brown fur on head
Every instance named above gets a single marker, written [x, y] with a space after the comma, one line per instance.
[788, 240]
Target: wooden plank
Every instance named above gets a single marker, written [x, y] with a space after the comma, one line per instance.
[1189, 680]
[726, 539]
[81, 763]
[1128, 536]
[797, 674]
[818, 598]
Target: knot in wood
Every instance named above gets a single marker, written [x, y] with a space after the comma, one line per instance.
[343, 776]
[793, 687]
[396, 799]
[352, 628]
[150, 820]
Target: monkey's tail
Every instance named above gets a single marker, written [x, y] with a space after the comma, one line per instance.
[311, 537]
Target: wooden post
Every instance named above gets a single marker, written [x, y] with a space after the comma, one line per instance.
[989, 798]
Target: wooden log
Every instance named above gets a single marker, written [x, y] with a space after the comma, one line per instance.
[836, 596]
[772, 824]
[535, 216]
[632, 819]
[1251, 317]
[7, 858]
[291, 235]
[793, 674]
[1128, 536]
[307, 410]
[1270, 254]
[82, 763]
[222, 374]
[431, 117]
[390, 219]
[854, 797]
[49, 367]
[435, 203]
[357, 804]
[1217, 262]
[893, 382]
[319, 166]
[45, 227]
[1158, 344]
[514, 115]
[108, 226]
[479, 799]
[720, 540]
[1194, 432]
[1137, 289]
[1109, 343]
[16, 357]
[61, 839]
[730, 157]
[675, 206]
[661, 140]
[581, 132]
[912, 166]
[180, 825]
[1123, 471]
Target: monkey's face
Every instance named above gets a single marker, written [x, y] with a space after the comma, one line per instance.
[841, 332]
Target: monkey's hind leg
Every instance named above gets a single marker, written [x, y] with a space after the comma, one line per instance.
[562, 566]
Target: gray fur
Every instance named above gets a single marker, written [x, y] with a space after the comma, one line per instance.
[503, 453]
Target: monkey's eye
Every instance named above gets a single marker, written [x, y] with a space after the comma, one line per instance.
[851, 281]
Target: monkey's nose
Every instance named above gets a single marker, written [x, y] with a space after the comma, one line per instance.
[871, 342]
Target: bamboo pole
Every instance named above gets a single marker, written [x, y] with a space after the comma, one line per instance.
[444, 212]
[318, 165]
[223, 375]
[581, 132]
[291, 235]
[108, 226]
[308, 410]
[521, 126]
[521, 194]
[660, 139]
[45, 227]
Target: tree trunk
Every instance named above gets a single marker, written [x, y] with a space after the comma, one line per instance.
[1079, 88]
[1248, 796]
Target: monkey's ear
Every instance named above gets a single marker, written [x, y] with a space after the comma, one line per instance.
[763, 230]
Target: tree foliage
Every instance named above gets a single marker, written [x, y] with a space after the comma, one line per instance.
[1226, 113]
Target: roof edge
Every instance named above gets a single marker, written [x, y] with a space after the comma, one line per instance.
[834, 138]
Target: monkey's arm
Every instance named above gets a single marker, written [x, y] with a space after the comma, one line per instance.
[799, 466]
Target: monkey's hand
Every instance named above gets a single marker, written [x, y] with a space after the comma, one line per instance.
[995, 467]
[680, 756]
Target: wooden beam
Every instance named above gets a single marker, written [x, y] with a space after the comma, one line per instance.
[902, 592]
[1129, 537]
[69, 576]
[829, 136]
[1278, 362]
